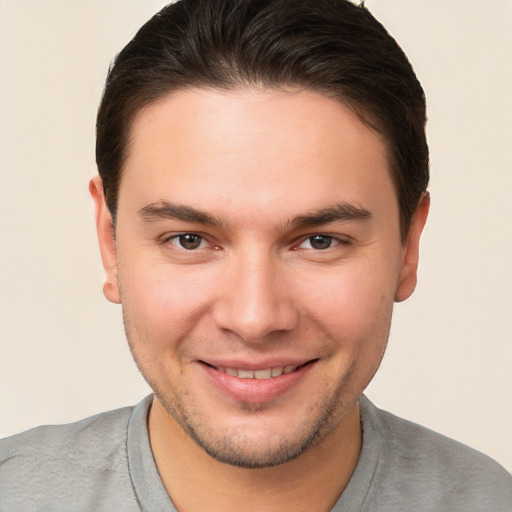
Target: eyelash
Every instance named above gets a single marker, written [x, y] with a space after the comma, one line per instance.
[171, 239]
[330, 240]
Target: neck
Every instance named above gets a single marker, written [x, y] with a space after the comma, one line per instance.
[196, 481]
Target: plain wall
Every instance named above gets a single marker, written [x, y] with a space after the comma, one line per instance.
[63, 355]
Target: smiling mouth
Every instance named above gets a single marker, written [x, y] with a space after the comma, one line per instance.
[265, 374]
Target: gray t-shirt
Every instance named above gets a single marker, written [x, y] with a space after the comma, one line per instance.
[105, 463]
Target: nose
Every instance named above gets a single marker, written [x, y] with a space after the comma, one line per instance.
[253, 299]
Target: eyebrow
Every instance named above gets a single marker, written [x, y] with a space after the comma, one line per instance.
[173, 211]
[340, 212]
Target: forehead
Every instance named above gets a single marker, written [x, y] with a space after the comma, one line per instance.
[257, 148]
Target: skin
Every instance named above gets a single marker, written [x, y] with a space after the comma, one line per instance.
[266, 282]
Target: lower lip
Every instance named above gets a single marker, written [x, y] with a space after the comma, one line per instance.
[255, 391]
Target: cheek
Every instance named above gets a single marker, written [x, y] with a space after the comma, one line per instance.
[352, 297]
[162, 302]
[358, 319]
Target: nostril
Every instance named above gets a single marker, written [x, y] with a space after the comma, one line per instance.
[254, 319]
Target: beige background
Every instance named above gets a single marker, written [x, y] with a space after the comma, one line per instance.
[63, 354]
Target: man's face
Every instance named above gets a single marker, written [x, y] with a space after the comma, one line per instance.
[257, 260]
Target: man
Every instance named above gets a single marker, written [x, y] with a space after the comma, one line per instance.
[262, 192]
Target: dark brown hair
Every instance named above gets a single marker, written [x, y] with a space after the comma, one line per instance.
[330, 46]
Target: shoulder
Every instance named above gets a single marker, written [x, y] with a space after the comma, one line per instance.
[74, 441]
[428, 465]
[63, 464]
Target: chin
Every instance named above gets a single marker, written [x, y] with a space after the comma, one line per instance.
[259, 441]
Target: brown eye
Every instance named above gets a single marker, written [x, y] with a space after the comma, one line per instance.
[190, 241]
[320, 241]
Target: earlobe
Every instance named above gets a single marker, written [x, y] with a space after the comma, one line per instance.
[408, 271]
[106, 239]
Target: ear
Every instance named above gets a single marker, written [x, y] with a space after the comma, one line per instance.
[408, 271]
[106, 238]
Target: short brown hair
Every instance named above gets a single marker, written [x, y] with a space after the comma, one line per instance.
[330, 46]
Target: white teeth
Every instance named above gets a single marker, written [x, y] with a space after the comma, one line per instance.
[276, 372]
[267, 373]
[263, 374]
